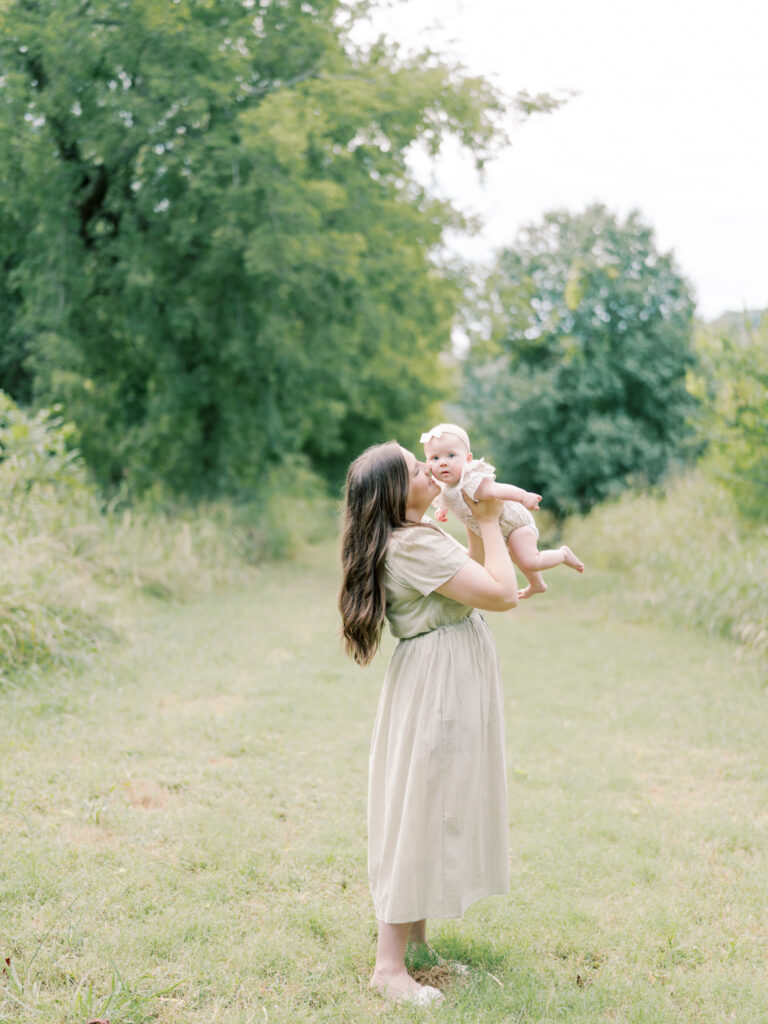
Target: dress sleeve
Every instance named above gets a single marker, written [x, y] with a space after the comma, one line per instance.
[424, 558]
[477, 471]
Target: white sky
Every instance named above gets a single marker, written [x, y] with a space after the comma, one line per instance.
[671, 118]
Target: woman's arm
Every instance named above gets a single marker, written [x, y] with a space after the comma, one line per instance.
[475, 546]
[506, 492]
[491, 586]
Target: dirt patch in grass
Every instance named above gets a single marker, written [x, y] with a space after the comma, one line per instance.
[91, 836]
[199, 707]
[144, 794]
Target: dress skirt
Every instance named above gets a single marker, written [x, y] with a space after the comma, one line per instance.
[437, 795]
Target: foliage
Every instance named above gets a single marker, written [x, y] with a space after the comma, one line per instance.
[37, 461]
[43, 495]
[64, 558]
[687, 556]
[732, 383]
[578, 386]
[212, 251]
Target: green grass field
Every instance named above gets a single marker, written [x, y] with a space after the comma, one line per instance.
[183, 823]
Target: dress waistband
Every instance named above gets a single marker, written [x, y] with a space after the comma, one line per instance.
[467, 620]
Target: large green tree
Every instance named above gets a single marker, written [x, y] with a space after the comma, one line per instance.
[577, 385]
[212, 250]
[732, 382]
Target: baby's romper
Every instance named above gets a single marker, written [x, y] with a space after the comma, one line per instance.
[437, 798]
[513, 514]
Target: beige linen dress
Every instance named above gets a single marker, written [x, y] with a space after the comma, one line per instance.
[437, 797]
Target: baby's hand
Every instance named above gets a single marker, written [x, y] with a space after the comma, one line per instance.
[531, 501]
[441, 515]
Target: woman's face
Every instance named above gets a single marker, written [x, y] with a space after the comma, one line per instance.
[422, 488]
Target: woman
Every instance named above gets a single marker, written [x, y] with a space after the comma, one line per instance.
[437, 801]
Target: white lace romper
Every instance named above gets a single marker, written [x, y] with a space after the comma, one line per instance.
[513, 514]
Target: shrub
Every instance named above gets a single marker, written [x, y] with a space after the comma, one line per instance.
[44, 614]
[733, 381]
[687, 555]
[63, 554]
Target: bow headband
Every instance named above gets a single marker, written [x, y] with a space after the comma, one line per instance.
[446, 428]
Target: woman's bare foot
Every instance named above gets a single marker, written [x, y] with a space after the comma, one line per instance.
[400, 987]
[534, 587]
[571, 559]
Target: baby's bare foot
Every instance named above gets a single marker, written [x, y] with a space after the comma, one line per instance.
[534, 587]
[571, 559]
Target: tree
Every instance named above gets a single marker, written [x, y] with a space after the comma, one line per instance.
[578, 386]
[732, 382]
[212, 250]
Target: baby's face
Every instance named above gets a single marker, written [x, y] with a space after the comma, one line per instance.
[446, 456]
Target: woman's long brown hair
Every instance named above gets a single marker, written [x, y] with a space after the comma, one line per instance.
[374, 506]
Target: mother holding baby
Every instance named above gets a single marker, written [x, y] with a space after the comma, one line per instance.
[437, 799]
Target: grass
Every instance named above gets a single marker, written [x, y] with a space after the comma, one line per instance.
[183, 820]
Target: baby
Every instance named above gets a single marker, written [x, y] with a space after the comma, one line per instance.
[449, 457]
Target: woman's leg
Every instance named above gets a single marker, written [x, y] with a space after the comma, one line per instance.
[418, 933]
[390, 977]
[418, 937]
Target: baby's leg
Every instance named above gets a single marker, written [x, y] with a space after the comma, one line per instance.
[531, 562]
[524, 552]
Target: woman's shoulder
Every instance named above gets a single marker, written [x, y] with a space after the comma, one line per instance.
[421, 534]
[423, 556]
[425, 540]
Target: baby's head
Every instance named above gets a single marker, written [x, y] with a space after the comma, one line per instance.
[446, 448]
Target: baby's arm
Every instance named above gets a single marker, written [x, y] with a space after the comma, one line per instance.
[441, 511]
[507, 492]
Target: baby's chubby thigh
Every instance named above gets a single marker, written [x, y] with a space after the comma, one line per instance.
[523, 546]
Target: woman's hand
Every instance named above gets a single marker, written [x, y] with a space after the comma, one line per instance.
[486, 511]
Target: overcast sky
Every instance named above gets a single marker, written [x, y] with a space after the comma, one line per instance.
[671, 118]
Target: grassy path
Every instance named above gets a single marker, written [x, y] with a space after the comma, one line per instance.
[183, 832]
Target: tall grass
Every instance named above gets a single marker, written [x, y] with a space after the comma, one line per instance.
[689, 555]
[65, 557]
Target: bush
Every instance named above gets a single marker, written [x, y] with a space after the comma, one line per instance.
[63, 555]
[733, 383]
[687, 555]
[43, 494]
